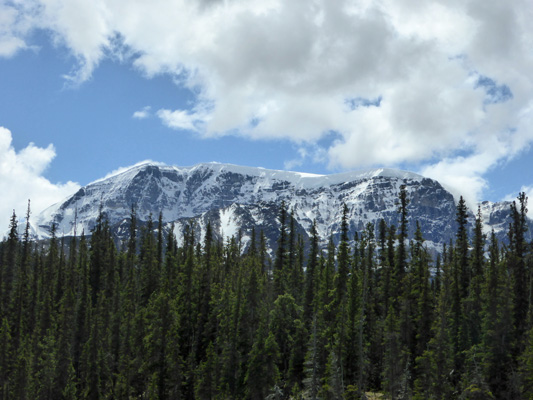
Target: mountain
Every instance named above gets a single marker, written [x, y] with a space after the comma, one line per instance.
[235, 199]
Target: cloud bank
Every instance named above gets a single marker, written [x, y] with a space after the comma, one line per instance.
[445, 86]
[21, 179]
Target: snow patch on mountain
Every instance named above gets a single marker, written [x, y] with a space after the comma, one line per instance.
[235, 199]
[229, 226]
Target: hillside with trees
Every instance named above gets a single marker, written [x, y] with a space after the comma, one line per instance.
[83, 319]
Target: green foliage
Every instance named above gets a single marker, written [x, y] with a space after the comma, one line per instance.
[526, 367]
[80, 319]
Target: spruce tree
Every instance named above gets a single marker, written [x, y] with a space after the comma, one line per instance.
[311, 382]
[401, 257]
[326, 311]
[21, 295]
[462, 246]
[156, 342]
[8, 265]
[517, 265]
[435, 369]
[343, 261]
[311, 274]
[497, 324]
[423, 315]
[285, 325]
[526, 367]
[263, 373]
[280, 263]
[474, 303]
[6, 358]
[148, 262]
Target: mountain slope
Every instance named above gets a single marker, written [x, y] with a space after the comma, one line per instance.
[235, 198]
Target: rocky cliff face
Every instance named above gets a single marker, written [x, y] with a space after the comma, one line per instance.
[236, 199]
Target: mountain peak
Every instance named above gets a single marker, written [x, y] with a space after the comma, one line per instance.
[236, 198]
[300, 179]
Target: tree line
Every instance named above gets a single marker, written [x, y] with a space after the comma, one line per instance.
[154, 319]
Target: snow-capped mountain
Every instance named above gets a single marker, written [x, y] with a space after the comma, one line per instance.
[235, 199]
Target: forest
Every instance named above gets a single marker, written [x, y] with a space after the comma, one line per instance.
[85, 318]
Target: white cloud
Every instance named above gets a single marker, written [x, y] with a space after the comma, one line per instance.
[183, 119]
[462, 176]
[528, 190]
[297, 162]
[14, 26]
[285, 69]
[21, 179]
[9, 45]
[143, 113]
[307, 152]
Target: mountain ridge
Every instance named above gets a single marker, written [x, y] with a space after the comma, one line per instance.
[235, 198]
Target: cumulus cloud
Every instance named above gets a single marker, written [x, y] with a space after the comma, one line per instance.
[21, 179]
[452, 78]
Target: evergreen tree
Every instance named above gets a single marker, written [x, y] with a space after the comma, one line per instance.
[80, 319]
[343, 261]
[421, 293]
[354, 354]
[460, 286]
[187, 301]
[6, 358]
[81, 330]
[157, 339]
[293, 284]
[392, 363]
[280, 263]
[8, 265]
[473, 304]
[311, 275]
[102, 256]
[526, 367]
[21, 375]
[263, 255]
[517, 265]
[401, 258]
[149, 262]
[462, 246]
[207, 382]
[65, 336]
[383, 276]
[435, 369]
[497, 338]
[334, 386]
[262, 373]
[312, 371]
[286, 327]
[21, 295]
[326, 310]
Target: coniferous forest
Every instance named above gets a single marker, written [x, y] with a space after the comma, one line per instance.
[85, 318]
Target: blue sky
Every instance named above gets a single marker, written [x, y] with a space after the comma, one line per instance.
[92, 126]
[87, 87]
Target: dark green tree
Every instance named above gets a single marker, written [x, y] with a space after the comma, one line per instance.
[517, 266]
[311, 276]
[282, 256]
[401, 256]
[343, 261]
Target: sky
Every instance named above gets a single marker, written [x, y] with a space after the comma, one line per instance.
[444, 89]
